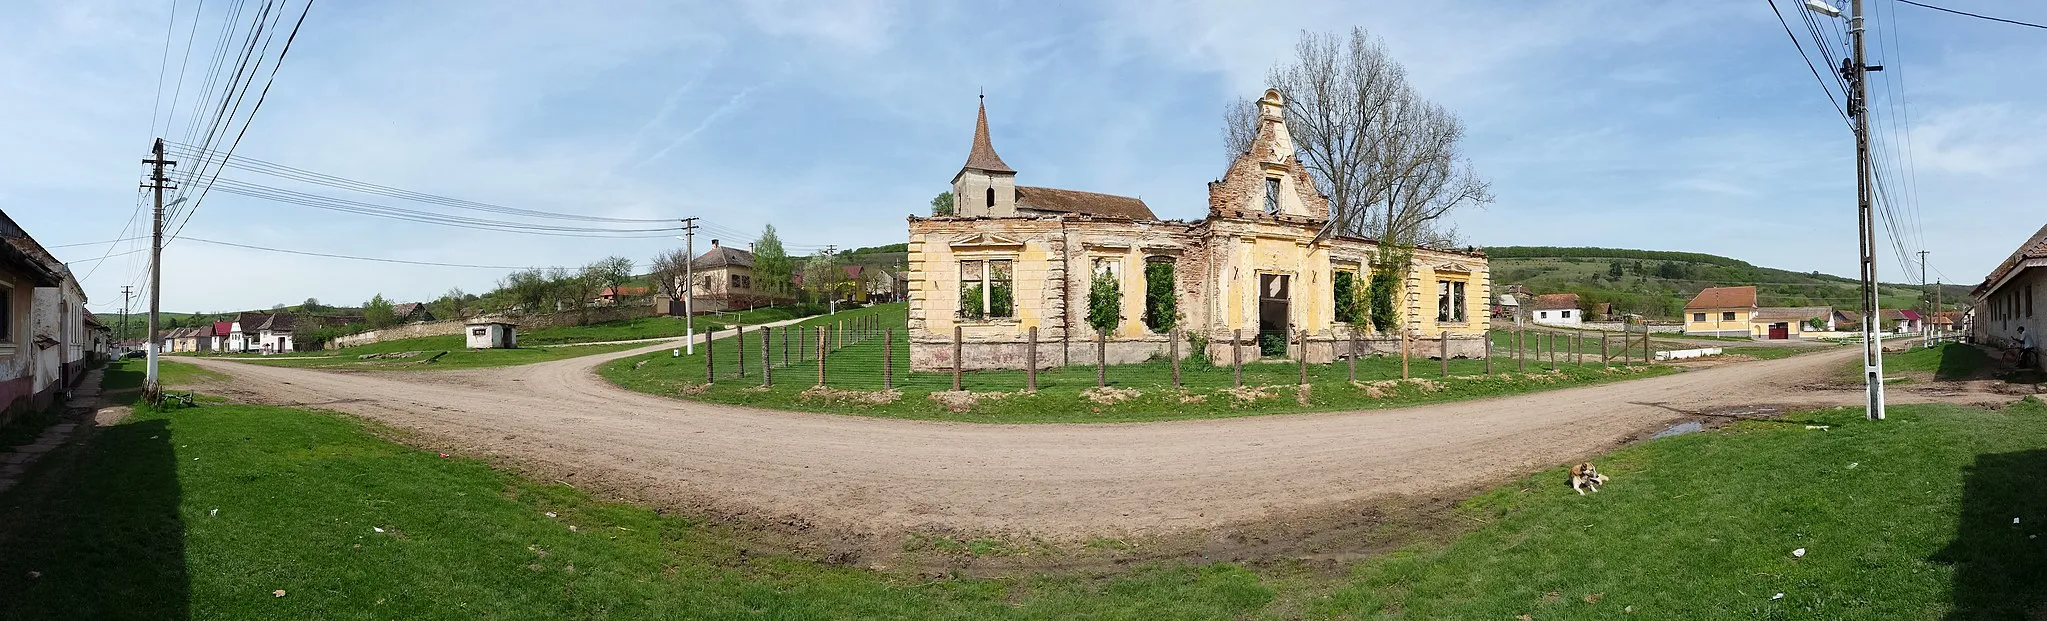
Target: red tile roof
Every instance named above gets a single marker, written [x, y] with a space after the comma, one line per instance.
[223, 328]
[627, 291]
[1555, 301]
[1723, 297]
[2035, 247]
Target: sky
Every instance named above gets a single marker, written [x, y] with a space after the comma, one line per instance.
[1691, 126]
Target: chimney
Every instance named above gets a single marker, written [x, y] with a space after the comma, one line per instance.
[749, 247]
[714, 244]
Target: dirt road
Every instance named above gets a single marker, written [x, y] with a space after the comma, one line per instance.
[853, 474]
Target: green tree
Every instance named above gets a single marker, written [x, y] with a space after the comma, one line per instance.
[1350, 307]
[312, 305]
[613, 272]
[1614, 270]
[1104, 303]
[1161, 303]
[378, 312]
[526, 289]
[1387, 276]
[941, 205]
[450, 305]
[772, 267]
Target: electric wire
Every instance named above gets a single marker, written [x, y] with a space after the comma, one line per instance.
[357, 258]
[1808, 61]
[1966, 13]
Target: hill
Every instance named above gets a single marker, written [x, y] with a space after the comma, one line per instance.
[1657, 283]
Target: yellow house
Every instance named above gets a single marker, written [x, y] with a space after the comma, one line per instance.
[1260, 271]
[1721, 311]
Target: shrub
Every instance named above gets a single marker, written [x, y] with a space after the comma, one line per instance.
[1161, 306]
[1104, 303]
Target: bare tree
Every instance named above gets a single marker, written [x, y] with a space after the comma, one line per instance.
[669, 268]
[1386, 157]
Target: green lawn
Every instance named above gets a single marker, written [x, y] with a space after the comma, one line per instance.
[1769, 353]
[857, 376]
[1951, 361]
[207, 512]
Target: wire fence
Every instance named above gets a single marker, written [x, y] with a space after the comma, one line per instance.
[869, 350]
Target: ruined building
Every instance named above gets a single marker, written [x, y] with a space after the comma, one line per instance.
[1257, 268]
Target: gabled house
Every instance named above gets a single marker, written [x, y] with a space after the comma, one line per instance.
[1902, 320]
[610, 296]
[1790, 322]
[411, 312]
[260, 332]
[723, 280]
[1556, 309]
[1721, 311]
[2011, 296]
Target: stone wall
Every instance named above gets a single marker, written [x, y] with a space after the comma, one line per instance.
[526, 322]
[1618, 326]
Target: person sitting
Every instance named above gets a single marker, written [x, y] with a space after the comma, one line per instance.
[2028, 358]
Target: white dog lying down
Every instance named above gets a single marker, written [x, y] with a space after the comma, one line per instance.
[1585, 476]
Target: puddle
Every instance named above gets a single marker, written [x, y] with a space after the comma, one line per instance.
[1679, 429]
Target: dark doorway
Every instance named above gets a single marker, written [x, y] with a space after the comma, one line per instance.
[1274, 295]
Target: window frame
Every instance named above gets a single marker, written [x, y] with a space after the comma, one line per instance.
[1727, 315]
[1698, 318]
[1272, 189]
[984, 278]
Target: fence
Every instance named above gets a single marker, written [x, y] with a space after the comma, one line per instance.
[871, 352]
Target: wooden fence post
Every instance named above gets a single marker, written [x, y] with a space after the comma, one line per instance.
[767, 362]
[1648, 357]
[1237, 357]
[1173, 353]
[1520, 351]
[1101, 358]
[1552, 338]
[1353, 354]
[1303, 337]
[956, 349]
[1403, 352]
[1031, 360]
[820, 355]
[1605, 355]
[785, 345]
[839, 335]
[710, 357]
[739, 340]
[1489, 351]
[1446, 353]
[888, 359]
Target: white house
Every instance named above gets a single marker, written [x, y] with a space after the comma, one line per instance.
[44, 341]
[2011, 298]
[259, 332]
[1556, 309]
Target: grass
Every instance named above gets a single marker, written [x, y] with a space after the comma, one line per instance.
[351, 526]
[1768, 353]
[458, 355]
[29, 424]
[1909, 518]
[1063, 394]
[122, 380]
[1951, 361]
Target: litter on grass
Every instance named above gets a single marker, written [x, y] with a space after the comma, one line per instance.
[1800, 553]
[278, 593]
[213, 513]
[377, 528]
[1777, 597]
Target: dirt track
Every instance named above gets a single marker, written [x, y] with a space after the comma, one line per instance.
[863, 475]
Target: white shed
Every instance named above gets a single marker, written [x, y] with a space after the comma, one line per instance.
[492, 334]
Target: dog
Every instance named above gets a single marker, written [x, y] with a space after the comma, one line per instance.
[1585, 476]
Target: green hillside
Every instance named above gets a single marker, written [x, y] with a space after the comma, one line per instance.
[1657, 283]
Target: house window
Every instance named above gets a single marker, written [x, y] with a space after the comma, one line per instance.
[1698, 316]
[1450, 302]
[1343, 291]
[1542, 315]
[2029, 300]
[1272, 195]
[1727, 316]
[1566, 314]
[6, 314]
[986, 289]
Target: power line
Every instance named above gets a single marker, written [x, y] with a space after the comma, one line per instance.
[377, 259]
[251, 118]
[1808, 60]
[1977, 16]
[252, 190]
[95, 243]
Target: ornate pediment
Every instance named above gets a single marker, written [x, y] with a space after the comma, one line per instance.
[1453, 267]
[984, 240]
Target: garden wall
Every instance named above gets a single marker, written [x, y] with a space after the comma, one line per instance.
[526, 322]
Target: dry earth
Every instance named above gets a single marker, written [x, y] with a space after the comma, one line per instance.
[859, 477]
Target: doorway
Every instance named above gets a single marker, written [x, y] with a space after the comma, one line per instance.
[1780, 331]
[1274, 300]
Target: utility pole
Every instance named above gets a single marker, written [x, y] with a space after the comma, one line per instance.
[1872, 340]
[151, 389]
[689, 284]
[831, 300]
[1926, 322]
[1939, 308]
[126, 292]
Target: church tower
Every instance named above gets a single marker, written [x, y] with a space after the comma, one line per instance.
[985, 186]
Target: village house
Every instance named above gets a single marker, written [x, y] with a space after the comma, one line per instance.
[260, 333]
[886, 286]
[44, 340]
[1262, 270]
[1790, 322]
[2010, 298]
[1556, 309]
[1902, 320]
[1721, 311]
[411, 312]
[724, 280]
[611, 296]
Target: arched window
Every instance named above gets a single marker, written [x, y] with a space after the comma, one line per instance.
[991, 198]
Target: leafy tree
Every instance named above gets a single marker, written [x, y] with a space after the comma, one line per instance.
[941, 205]
[1614, 270]
[823, 276]
[668, 268]
[970, 301]
[526, 289]
[1161, 303]
[773, 270]
[312, 305]
[613, 272]
[1350, 301]
[450, 305]
[378, 313]
[1104, 303]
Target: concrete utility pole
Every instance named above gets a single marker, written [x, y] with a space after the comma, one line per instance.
[151, 389]
[689, 284]
[1872, 340]
[1925, 323]
[831, 300]
[126, 292]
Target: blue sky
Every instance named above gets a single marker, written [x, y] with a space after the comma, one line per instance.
[1665, 125]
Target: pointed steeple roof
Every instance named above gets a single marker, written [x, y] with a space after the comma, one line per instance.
[983, 156]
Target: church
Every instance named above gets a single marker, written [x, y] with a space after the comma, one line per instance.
[1258, 272]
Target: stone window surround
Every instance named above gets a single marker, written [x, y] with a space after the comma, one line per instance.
[1357, 279]
[985, 257]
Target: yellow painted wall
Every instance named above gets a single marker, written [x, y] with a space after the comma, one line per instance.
[1714, 323]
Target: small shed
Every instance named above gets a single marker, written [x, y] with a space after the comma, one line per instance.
[491, 334]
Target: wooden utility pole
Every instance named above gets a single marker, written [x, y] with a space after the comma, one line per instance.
[739, 341]
[152, 388]
[126, 292]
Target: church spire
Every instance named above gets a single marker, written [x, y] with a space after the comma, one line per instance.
[983, 156]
